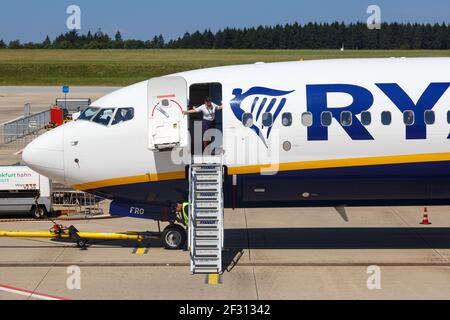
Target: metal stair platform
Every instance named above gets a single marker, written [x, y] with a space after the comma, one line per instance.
[206, 214]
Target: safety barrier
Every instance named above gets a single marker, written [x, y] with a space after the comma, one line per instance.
[66, 199]
[25, 129]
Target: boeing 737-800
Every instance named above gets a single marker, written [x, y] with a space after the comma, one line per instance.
[306, 133]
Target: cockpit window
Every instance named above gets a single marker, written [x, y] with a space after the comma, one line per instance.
[104, 116]
[88, 113]
[122, 115]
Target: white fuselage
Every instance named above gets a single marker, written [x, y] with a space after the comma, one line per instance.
[92, 156]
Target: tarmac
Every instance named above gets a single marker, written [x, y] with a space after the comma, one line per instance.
[287, 253]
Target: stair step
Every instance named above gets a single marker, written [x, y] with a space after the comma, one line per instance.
[207, 187]
[205, 214]
[207, 178]
[206, 243]
[211, 167]
[206, 261]
[207, 205]
[206, 227]
[206, 193]
[206, 252]
[207, 233]
[207, 198]
[206, 270]
[207, 224]
[208, 172]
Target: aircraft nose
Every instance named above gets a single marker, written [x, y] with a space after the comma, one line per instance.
[45, 154]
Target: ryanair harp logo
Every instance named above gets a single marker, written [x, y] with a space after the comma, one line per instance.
[249, 108]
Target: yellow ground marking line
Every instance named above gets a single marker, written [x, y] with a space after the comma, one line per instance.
[213, 279]
[140, 251]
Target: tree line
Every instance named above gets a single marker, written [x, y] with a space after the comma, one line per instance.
[290, 36]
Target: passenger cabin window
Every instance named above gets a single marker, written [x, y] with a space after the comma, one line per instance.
[122, 115]
[448, 117]
[408, 117]
[88, 113]
[287, 119]
[104, 116]
[267, 119]
[430, 117]
[346, 118]
[247, 120]
[366, 118]
[325, 118]
[307, 119]
[386, 118]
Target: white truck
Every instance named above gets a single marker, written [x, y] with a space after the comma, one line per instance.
[19, 188]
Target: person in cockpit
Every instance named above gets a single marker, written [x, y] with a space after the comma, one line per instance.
[123, 114]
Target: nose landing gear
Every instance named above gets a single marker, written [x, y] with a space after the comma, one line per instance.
[174, 237]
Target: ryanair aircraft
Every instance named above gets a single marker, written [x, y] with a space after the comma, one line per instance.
[315, 133]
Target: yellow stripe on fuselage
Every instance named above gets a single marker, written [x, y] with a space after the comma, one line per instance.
[340, 163]
[153, 177]
[290, 166]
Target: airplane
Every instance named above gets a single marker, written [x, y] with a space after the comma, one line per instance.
[344, 132]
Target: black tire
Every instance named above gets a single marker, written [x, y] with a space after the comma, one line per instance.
[174, 237]
[38, 212]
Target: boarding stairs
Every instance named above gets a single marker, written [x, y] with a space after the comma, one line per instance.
[206, 229]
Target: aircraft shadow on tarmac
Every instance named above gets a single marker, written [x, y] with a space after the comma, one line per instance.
[309, 238]
[238, 240]
[338, 238]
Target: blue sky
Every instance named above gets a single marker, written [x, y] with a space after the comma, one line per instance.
[32, 20]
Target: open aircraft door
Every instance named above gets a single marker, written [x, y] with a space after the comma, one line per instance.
[167, 126]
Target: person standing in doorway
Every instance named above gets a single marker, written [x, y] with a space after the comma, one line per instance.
[208, 109]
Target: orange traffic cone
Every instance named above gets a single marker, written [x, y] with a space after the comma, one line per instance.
[425, 220]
